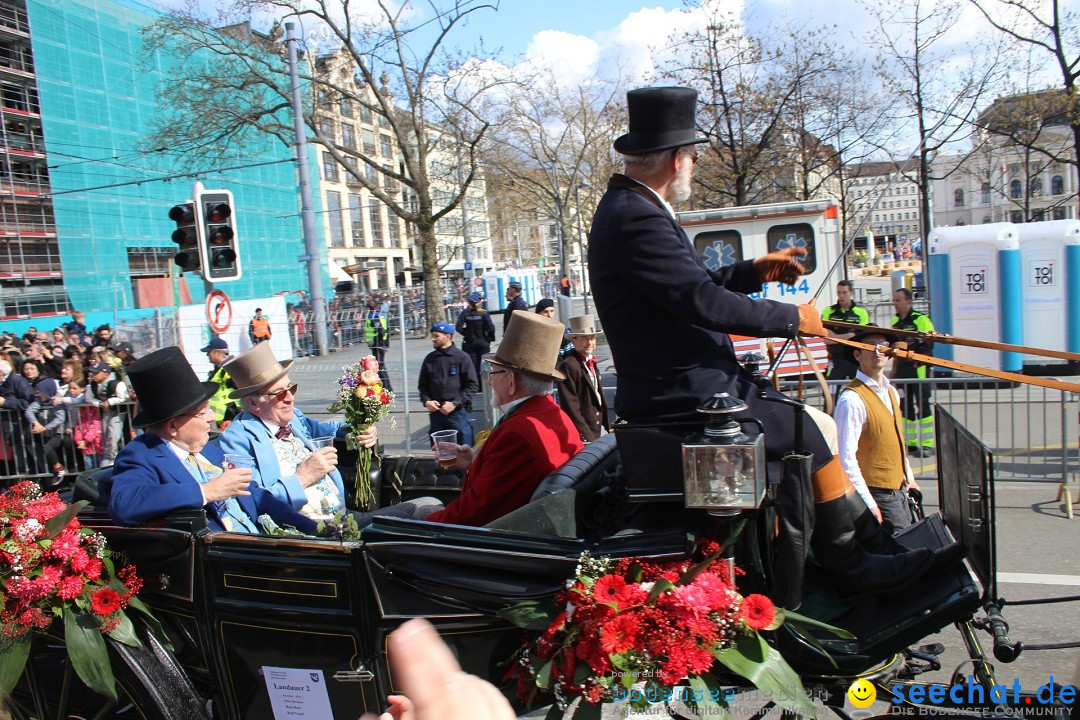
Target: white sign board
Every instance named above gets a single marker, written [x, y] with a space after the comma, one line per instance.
[297, 694]
[195, 332]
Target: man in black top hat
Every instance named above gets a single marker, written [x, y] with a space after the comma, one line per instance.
[645, 273]
[170, 466]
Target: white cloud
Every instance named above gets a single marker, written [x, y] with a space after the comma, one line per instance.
[572, 58]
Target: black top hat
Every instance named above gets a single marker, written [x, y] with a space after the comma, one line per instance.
[871, 329]
[661, 118]
[167, 387]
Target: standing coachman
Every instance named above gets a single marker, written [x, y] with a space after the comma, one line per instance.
[646, 274]
[581, 392]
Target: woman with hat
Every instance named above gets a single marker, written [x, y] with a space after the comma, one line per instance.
[581, 393]
[534, 435]
[476, 330]
[171, 467]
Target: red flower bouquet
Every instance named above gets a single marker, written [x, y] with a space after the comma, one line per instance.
[53, 568]
[364, 401]
[653, 627]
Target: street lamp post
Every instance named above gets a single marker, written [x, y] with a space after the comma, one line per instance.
[581, 244]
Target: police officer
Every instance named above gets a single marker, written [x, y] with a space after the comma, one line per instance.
[845, 310]
[918, 415]
[476, 330]
[447, 383]
[514, 302]
[377, 336]
[224, 407]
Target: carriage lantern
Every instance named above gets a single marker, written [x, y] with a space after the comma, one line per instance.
[723, 468]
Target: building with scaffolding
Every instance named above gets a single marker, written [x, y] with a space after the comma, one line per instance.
[83, 204]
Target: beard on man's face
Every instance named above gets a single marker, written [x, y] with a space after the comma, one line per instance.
[680, 188]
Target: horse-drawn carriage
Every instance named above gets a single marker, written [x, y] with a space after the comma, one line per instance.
[247, 615]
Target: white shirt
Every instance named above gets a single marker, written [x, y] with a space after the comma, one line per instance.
[850, 417]
[671, 210]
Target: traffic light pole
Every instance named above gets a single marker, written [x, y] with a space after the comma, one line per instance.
[307, 214]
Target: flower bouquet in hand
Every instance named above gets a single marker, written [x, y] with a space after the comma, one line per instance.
[52, 568]
[640, 631]
[364, 401]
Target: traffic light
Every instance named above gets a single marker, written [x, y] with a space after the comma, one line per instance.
[220, 248]
[186, 236]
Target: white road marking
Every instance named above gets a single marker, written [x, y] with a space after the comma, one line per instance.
[1038, 578]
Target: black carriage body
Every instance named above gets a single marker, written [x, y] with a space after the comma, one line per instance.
[234, 605]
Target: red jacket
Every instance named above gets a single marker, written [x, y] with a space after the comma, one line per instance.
[536, 438]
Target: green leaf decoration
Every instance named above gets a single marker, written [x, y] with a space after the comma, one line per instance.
[125, 633]
[804, 620]
[155, 625]
[695, 570]
[543, 675]
[781, 615]
[60, 520]
[705, 688]
[530, 614]
[660, 586]
[13, 654]
[752, 658]
[88, 653]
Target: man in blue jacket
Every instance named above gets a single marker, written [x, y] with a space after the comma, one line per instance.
[280, 438]
[645, 273]
[171, 467]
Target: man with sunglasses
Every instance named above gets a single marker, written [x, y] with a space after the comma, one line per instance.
[868, 422]
[171, 466]
[281, 439]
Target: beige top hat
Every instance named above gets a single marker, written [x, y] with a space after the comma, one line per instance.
[582, 325]
[254, 369]
[531, 344]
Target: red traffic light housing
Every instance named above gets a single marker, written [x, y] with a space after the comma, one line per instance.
[219, 244]
[186, 236]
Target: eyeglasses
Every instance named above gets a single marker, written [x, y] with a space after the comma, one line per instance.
[280, 394]
[203, 411]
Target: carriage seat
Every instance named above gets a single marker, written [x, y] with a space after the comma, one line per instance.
[94, 486]
[575, 500]
[408, 477]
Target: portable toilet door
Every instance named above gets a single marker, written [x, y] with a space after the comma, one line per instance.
[975, 291]
[1046, 276]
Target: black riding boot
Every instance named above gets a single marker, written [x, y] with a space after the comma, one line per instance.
[876, 540]
[857, 573]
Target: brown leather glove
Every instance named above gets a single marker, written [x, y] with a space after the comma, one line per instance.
[781, 266]
[810, 320]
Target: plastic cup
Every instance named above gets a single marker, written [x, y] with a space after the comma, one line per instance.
[321, 442]
[238, 461]
[444, 443]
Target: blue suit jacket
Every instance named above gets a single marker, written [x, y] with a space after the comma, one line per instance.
[247, 435]
[149, 481]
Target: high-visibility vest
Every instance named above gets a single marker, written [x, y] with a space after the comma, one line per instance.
[260, 327]
[220, 402]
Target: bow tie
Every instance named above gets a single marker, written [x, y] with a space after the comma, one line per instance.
[284, 433]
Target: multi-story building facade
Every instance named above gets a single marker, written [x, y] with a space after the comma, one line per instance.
[83, 202]
[1005, 180]
[883, 200]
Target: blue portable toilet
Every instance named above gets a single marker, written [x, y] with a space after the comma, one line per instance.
[1050, 263]
[975, 291]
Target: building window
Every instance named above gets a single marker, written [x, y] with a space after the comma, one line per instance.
[333, 214]
[365, 114]
[1035, 187]
[1059, 213]
[395, 230]
[385, 145]
[346, 107]
[375, 217]
[326, 129]
[329, 165]
[348, 138]
[1016, 216]
[356, 216]
[986, 193]
[1016, 189]
[324, 100]
[1057, 185]
[369, 142]
[958, 197]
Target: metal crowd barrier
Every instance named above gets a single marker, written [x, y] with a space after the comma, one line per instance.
[23, 453]
[1031, 430]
